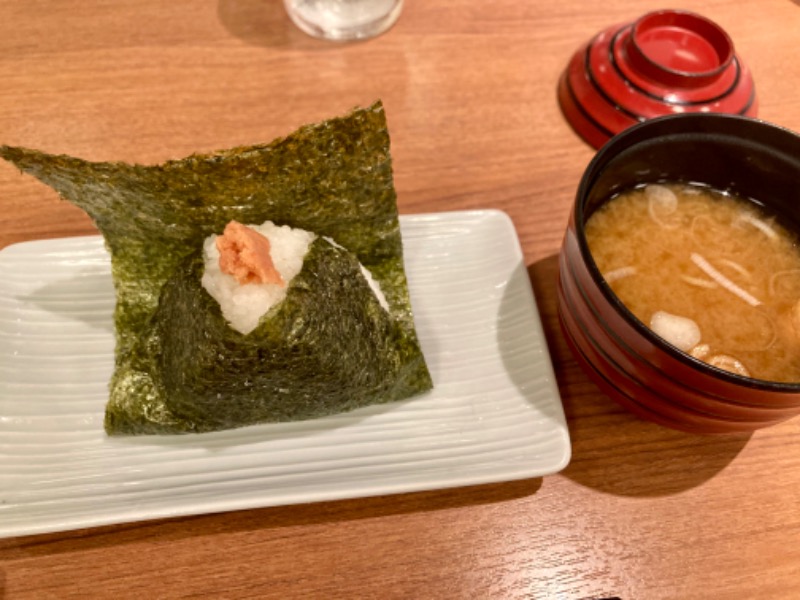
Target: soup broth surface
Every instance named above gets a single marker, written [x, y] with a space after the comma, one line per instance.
[712, 274]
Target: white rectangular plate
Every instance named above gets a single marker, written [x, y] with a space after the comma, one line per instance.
[494, 415]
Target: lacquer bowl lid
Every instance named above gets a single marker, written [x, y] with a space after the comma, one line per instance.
[666, 62]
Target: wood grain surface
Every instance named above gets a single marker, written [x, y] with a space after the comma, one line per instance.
[641, 512]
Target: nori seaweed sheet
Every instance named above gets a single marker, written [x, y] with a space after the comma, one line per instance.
[333, 178]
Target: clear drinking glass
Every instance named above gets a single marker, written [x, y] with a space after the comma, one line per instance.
[344, 19]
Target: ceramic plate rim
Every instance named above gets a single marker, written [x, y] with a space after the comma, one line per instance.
[527, 396]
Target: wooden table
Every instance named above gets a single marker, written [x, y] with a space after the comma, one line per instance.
[469, 87]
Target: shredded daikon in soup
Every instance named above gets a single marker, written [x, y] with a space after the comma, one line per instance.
[712, 274]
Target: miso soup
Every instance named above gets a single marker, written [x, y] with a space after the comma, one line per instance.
[714, 275]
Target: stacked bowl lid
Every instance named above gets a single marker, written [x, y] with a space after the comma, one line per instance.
[666, 62]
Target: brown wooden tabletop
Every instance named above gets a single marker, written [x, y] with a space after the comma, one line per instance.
[469, 88]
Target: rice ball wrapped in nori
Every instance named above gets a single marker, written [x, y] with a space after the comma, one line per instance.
[179, 366]
[327, 346]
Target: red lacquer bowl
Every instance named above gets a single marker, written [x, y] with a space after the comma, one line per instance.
[635, 367]
[666, 62]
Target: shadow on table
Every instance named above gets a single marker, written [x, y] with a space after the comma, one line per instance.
[612, 450]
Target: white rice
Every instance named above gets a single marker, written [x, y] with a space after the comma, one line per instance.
[376, 287]
[244, 305]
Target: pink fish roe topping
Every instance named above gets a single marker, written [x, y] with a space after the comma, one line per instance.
[245, 254]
